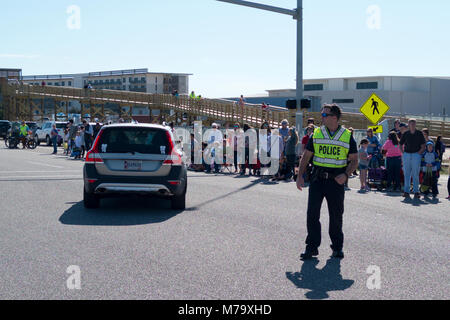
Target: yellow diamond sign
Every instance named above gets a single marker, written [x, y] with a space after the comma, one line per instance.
[374, 109]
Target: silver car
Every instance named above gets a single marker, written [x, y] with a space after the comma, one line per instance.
[134, 159]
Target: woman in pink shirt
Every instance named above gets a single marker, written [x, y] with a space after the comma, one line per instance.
[393, 162]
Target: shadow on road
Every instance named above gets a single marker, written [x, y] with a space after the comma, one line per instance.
[320, 282]
[250, 185]
[120, 212]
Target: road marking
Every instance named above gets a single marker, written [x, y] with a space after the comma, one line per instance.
[67, 171]
[40, 177]
[45, 165]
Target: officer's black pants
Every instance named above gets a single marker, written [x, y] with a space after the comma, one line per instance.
[335, 194]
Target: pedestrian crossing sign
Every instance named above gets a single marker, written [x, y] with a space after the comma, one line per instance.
[374, 109]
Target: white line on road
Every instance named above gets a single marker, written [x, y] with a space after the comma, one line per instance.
[40, 177]
[67, 171]
[44, 164]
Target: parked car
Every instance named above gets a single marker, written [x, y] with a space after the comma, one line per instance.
[33, 126]
[134, 159]
[43, 134]
[14, 128]
[4, 127]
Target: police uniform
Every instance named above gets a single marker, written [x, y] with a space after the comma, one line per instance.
[330, 158]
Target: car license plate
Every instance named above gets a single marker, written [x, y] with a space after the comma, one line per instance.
[132, 165]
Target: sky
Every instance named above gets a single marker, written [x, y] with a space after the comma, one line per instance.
[229, 49]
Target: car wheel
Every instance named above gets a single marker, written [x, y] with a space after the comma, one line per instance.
[91, 201]
[179, 202]
[48, 141]
[36, 138]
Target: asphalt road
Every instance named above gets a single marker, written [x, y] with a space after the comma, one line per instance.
[240, 238]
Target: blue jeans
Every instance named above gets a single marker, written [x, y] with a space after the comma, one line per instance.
[411, 169]
[55, 144]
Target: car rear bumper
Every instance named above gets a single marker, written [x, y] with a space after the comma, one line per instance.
[172, 185]
[130, 188]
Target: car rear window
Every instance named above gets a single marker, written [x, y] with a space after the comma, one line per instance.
[139, 140]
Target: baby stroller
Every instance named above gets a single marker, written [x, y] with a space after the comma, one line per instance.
[377, 174]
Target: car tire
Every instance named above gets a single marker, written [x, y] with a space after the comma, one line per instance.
[179, 202]
[90, 200]
[48, 141]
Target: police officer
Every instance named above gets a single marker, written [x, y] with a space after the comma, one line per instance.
[334, 154]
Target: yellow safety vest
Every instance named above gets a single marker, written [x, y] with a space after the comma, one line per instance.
[24, 130]
[331, 152]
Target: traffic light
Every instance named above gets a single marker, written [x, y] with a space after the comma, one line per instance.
[291, 104]
[306, 104]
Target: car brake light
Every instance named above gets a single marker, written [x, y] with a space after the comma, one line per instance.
[93, 155]
[175, 183]
[174, 159]
[171, 144]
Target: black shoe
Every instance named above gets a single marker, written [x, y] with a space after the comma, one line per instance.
[406, 195]
[417, 196]
[338, 254]
[309, 254]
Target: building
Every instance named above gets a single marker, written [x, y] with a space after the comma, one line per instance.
[139, 80]
[418, 96]
[11, 74]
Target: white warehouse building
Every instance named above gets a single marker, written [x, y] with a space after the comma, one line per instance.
[418, 96]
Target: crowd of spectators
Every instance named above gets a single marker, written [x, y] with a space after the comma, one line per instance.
[409, 156]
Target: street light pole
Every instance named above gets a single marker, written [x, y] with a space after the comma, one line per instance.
[297, 14]
[299, 88]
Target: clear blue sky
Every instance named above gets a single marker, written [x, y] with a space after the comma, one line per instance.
[231, 50]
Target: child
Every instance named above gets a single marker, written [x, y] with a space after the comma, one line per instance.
[76, 152]
[364, 159]
[66, 141]
[430, 159]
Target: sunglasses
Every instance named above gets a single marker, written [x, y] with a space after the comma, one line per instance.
[326, 115]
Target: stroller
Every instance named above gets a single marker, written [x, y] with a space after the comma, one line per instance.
[377, 173]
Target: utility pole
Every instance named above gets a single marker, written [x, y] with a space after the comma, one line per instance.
[297, 14]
